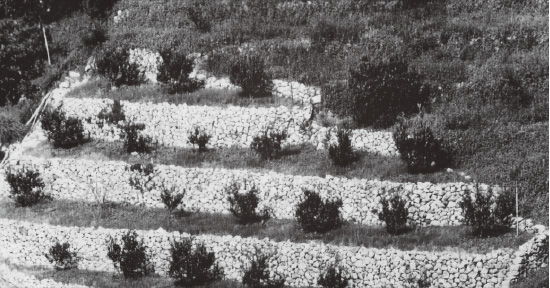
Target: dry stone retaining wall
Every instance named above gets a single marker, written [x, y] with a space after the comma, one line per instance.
[230, 126]
[428, 204]
[299, 263]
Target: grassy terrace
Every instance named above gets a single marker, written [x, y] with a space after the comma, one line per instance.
[58, 212]
[302, 160]
[98, 88]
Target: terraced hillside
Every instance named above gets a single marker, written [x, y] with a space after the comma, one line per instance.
[98, 176]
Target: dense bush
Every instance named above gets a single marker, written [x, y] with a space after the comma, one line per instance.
[94, 36]
[200, 138]
[316, 215]
[394, 214]
[268, 146]
[115, 115]
[332, 278]
[113, 63]
[257, 275]
[243, 206]
[484, 213]
[418, 147]
[11, 130]
[62, 257]
[342, 153]
[192, 267]
[248, 72]
[65, 132]
[26, 187]
[131, 258]
[174, 71]
[378, 92]
[133, 141]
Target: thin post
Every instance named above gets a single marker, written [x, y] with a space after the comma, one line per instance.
[517, 211]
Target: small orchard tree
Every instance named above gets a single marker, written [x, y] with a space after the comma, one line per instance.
[130, 258]
[342, 153]
[199, 138]
[268, 144]
[333, 278]
[192, 267]
[393, 213]
[62, 256]
[248, 72]
[171, 199]
[64, 132]
[113, 115]
[257, 275]
[113, 63]
[174, 72]
[317, 215]
[133, 141]
[244, 206]
[26, 187]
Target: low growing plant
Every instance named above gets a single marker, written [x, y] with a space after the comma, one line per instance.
[131, 258]
[113, 115]
[133, 141]
[26, 187]
[342, 153]
[244, 206]
[333, 278]
[248, 72]
[192, 267]
[268, 146]
[257, 275]
[65, 132]
[198, 137]
[316, 215]
[62, 257]
[394, 214]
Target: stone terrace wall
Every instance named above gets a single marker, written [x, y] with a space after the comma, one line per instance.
[230, 126]
[299, 263]
[428, 204]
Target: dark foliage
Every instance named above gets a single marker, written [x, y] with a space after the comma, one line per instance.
[379, 92]
[94, 36]
[248, 72]
[418, 147]
[171, 199]
[332, 278]
[113, 63]
[65, 132]
[243, 206]
[485, 218]
[257, 275]
[131, 258]
[342, 153]
[394, 214]
[115, 115]
[98, 9]
[192, 267]
[133, 141]
[316, 215]
[200, 138]
[11, 130]
[268, 146]
[147, 169]
[174, 71]
[62, 257]
[26, 187]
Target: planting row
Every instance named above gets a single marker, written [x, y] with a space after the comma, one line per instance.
[232, 126]
[298, 264]
[205, 189]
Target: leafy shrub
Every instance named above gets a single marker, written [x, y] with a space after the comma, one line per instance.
[170, 198]
[332, 278]
[147, 169]
[418, 147]
[484, 214]
[174, 71]
[115, 115]
[248, 72]
[26, 187]
[243, 206]
[257, 275]
[316, 215]
[378, 92]
[200, 138]
[394, 214]
[62, 257]
[133, 141]
[65, 132]
[192, 267]
[113, 63]
[268, 146]
[11, 130]
[342, 154]
[130, 258]
[94, 36]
